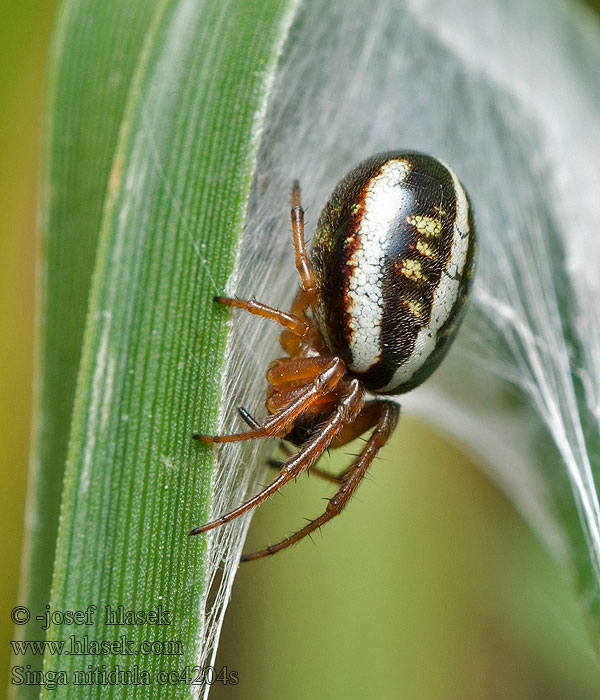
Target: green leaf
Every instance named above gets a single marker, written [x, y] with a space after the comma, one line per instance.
[171, 202]
[88, 82]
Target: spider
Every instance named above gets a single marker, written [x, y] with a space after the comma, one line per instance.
[382, 293]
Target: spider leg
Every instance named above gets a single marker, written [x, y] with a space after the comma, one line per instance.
[310, 345]
[308, 283]
[280, 422]
[303, 263]
[298, 327]
[366, 419]
[288, 379]
[349, 407]
[388, 418]
[288, 369]
[278, 464]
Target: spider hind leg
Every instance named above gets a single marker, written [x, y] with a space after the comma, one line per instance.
[350, 479]
[347, 409]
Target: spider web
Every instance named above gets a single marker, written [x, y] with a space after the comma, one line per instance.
[522, 385]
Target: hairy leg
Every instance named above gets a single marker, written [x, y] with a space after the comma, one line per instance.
[367, 419]
[349, 407]
[388, 418]
[280, 423]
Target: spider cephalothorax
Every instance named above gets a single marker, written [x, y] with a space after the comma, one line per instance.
[381, 297]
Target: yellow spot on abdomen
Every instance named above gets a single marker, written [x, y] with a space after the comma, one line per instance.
[425, 249]
[426, 225]
[411, 269]
[415, 308]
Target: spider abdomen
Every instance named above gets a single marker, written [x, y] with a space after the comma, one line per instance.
[393, 256]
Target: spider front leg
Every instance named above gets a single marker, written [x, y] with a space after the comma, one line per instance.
[298, 327]
[280, 423]
[347, 409]
[308, 281]
[388, 417]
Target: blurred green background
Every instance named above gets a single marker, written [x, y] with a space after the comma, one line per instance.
[429, 586]
[24, 33]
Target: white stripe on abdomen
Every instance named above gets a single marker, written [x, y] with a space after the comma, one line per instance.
[383, 201]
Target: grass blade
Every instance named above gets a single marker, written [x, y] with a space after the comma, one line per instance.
[84, 110]
[154, 344]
